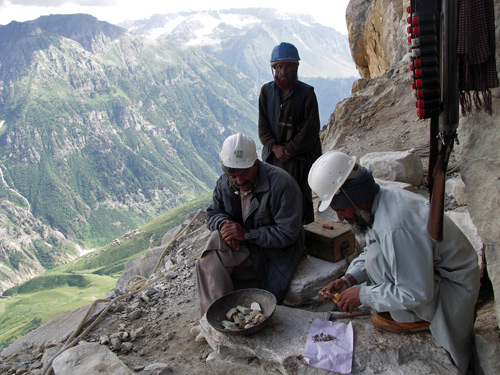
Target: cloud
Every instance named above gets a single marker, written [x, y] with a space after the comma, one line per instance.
[59, 3]
[330, 13]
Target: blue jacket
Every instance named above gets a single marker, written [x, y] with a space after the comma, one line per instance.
[274, 222]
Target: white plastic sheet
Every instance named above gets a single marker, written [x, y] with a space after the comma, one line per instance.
[332, 355]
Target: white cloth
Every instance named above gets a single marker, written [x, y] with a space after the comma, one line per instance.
[332, 355]
[406, 273]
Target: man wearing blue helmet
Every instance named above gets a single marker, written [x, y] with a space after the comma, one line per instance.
[289, 122]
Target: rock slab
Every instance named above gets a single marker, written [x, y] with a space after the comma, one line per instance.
[280, 345]
[312, 275]
[89, 359]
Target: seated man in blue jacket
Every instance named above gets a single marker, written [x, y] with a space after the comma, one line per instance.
[256, 219]
[410, 282]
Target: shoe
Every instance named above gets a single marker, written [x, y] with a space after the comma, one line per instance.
[195, 331]
[384, 322]
[200, 338]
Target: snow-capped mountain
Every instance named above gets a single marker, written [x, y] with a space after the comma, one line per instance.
[244, 38]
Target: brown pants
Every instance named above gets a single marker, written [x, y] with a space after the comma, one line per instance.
[214, 268]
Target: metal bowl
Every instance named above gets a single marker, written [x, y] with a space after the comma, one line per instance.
[216, 313]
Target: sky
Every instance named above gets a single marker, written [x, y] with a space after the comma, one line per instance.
[328, 13]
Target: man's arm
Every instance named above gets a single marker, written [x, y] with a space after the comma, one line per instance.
[357, 268]
[232, 233]
[307, 137]
[216, 211]
[266, 136]
[284, 222]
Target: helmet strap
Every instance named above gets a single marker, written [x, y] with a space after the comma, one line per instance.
[357, 210]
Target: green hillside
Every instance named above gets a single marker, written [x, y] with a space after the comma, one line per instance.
[101, 132]
[78, 283]
[27, 310]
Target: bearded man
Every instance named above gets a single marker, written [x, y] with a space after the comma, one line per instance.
[408, 281]
[289, 122]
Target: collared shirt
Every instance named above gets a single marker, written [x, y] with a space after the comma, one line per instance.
[245, 203]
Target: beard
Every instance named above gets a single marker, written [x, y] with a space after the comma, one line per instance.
[287, 83]
[363, 222]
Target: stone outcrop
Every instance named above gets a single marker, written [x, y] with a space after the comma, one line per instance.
[312, 275]
[89, 359]
[281, 345]
[376, 34]
[403, 166]
[379, 116]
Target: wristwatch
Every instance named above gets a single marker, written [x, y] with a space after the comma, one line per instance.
[247, 236]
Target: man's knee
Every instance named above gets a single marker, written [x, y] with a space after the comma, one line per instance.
[205, 258]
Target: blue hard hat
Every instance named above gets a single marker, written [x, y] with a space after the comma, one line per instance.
[284, 52]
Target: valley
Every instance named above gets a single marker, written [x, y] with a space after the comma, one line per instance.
[105, 127]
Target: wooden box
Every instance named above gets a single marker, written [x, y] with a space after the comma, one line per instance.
[329, 240]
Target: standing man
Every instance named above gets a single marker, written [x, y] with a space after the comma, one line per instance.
[289, 122]
[410, 282]
[256, 221]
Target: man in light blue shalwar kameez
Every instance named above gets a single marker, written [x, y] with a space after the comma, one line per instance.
[410, 282]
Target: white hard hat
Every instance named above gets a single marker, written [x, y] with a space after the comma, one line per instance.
[328, 174]
[238, 151]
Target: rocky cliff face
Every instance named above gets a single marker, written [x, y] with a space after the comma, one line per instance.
[377, 34]
[382, 101]
[28, 245]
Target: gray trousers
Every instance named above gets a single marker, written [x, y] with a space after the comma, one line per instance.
[214, 269]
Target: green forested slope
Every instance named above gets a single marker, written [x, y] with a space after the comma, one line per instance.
[78, 283]
[102, 131]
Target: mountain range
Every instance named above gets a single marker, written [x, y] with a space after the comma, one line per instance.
[244, 39]
[103, 128]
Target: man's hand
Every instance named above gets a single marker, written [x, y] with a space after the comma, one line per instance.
[348, 300]
[336, 286]
[232, 233]
[281, 153]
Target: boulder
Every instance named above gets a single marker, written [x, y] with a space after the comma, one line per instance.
[312, 275]
[89, 359]
[394, 184]
[480, 167]
[142, 266]
[462, 219]
[403, 166]
[455, 188]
